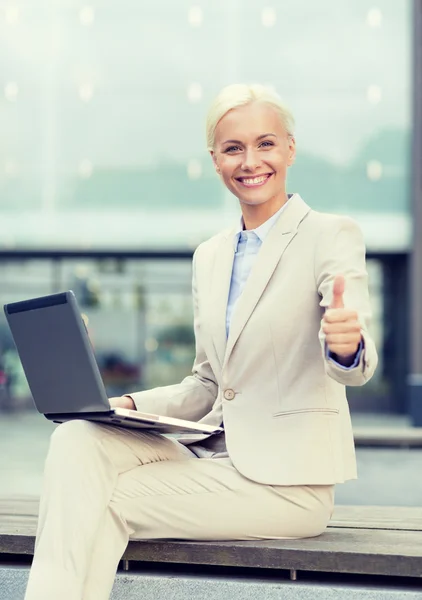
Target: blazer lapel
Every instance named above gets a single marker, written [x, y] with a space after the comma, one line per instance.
[276, 242]
[220, 287]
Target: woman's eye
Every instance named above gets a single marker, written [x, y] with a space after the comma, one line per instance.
[266, 144]
[232, 149]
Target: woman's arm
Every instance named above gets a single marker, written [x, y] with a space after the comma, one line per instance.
[341, 251]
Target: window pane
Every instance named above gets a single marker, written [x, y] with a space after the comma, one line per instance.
[104, 108]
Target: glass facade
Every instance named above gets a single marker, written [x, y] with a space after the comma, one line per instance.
[102, 113]
[103, 105]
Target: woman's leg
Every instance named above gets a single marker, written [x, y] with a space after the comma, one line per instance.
[203, 499]
[82, 468]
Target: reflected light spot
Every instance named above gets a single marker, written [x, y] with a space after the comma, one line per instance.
[87, 15]
[194, 169]
[151, 345]
[268, 17]
[11, 169]
[81, 271]
[11, 91]
[195, 16]
[85, 243]
[85, 169]
[92, 285]
[374, 94]
[11, 14]
[86, 91]
[374, 17]
[194, 92]
[374, 170]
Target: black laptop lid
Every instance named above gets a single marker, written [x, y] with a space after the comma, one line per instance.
[56, 354]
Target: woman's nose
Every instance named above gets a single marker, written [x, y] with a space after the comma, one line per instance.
[250, 160]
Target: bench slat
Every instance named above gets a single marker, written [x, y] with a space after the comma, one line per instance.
[359, 517]
[404, 518]
[346, 551]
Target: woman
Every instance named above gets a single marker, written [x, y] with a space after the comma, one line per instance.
[281, 311]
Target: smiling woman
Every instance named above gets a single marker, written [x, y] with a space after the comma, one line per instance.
[281, 313]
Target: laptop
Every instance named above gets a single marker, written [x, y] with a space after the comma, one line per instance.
[59, 364]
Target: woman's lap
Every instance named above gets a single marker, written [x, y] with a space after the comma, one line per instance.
[164, 491]
[208, 499]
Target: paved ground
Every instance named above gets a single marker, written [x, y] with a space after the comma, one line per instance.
[386, 477]
[150, 585]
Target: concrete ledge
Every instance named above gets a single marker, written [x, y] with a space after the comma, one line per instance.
[407, 437]
[162, 586]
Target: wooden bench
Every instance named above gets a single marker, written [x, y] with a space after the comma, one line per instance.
[367, 540]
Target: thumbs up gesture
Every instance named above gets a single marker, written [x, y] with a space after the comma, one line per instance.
[340, 325]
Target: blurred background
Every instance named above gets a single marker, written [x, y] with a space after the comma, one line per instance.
[106, 187]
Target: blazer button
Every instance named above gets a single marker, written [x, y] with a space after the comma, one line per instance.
[229, 394]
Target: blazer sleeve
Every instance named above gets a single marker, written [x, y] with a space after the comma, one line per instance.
[341, 251]
[194, 397]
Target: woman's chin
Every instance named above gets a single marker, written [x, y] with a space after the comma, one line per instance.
[254, 200]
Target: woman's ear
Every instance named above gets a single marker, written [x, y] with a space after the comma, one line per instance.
[214, 160]
[292, 151]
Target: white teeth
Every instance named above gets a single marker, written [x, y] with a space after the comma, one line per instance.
[255, 180]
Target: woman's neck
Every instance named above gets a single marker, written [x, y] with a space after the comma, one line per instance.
[256, 215]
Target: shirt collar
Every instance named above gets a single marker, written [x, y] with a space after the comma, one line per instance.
[262, 231]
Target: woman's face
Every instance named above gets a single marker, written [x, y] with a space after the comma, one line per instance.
[252, 152]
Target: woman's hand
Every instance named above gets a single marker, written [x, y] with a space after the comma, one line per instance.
[341, 326]
[122, 402]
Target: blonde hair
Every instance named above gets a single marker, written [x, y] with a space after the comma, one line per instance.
[239, 94]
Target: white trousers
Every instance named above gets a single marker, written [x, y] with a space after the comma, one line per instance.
[104, 484]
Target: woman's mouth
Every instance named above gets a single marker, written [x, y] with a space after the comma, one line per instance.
[256, 181]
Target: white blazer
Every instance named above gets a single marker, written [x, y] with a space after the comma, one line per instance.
[283, 403]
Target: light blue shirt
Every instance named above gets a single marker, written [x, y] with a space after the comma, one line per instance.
[246, 246]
